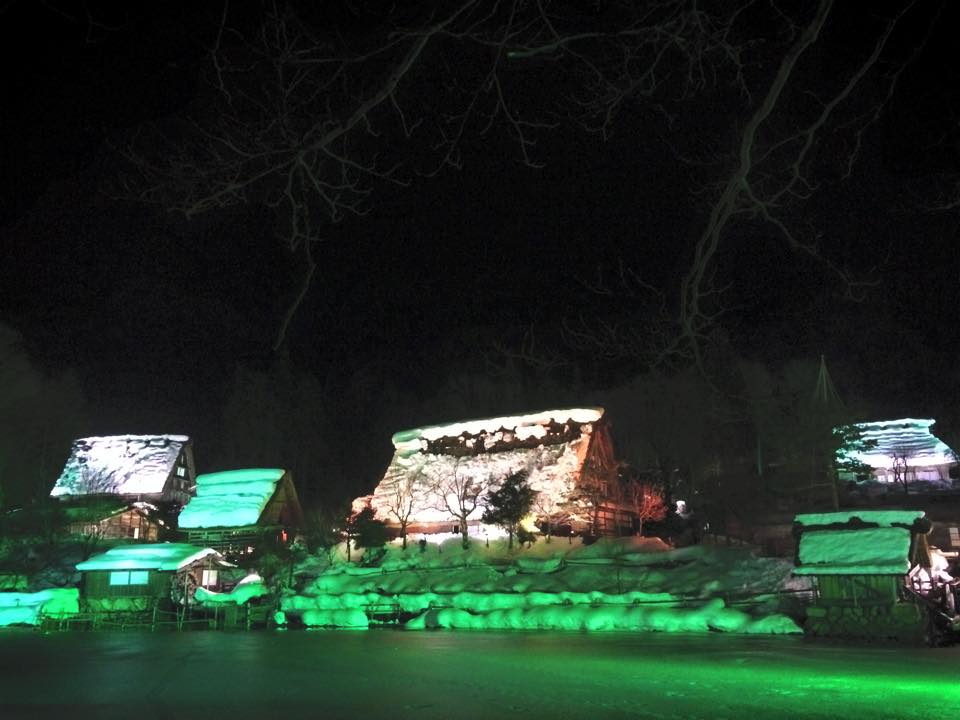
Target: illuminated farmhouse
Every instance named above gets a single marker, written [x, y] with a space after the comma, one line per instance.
[903, 451]
[235, 510]
[134, 467]
[566, 454]
[111, 486]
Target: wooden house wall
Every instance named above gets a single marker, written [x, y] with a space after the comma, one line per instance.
[129, 524]
[858, 590]
[283, 508]
[96, 584]
[180, 488]
[600, 466]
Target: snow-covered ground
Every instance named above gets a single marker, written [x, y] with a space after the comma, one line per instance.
[614, 584]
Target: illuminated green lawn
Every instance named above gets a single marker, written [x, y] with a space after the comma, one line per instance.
[395, 674]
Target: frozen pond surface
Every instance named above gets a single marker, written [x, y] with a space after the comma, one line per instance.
[461, 675]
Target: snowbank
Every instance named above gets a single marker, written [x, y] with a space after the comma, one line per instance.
[250, 587]
[713, 616]
[25, 608]
[626, 584]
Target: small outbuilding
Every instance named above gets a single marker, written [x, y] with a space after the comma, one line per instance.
[862, 562]
[237, 511]
[137, 577]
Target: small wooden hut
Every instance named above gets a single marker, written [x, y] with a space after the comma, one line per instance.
[860, 561]
[137, 577]
[237, 511]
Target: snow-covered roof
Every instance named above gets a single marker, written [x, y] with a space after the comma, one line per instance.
[881, 518]
[550, 446]
[857, 542]
[120, 465]
[232, 498]
[907, 437]
[870, 551]
[158, 556]
[530, 426]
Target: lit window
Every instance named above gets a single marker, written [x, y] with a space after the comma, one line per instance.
[209, 578]
[181, 471]
[955, 536]
[129, 577]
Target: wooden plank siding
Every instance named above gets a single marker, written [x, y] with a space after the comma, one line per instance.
[130, 524]
[96, 584]
[858, 590]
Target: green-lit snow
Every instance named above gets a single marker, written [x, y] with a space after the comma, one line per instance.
[233, 498]
[883, 518]
[630, 584]
[155, 556]
[871, 551]
[250, 587]
[25, 608]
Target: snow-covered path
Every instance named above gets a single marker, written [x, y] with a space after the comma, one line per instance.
[461, 675]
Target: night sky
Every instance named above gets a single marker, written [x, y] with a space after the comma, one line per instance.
[154, 313]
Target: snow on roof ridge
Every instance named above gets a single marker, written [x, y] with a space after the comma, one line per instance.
[242, 475]
[231, 498]
[149, 556]
[909, 437]
[119, 465]
[133, 436]
[883, 518]
[511, 422]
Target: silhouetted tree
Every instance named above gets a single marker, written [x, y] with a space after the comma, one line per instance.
[646, 501]
[460, 495]
[509, 504]
[404, 499]
[39, 417]
[306, 115]
[362, 529]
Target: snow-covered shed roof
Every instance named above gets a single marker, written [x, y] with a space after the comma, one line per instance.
[157, 556]
[857, 542]
[232, 498]
[551, 446]
[878, 518]
[910, 438]
[120, 465]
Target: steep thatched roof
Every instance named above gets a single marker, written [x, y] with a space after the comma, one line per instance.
[120, 465]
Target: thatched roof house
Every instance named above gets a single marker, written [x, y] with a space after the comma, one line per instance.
[562, 451]
[904, 449]
[237, 509]
[133, 467]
